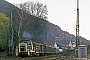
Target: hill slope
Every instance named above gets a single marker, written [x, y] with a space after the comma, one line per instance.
[37, 29]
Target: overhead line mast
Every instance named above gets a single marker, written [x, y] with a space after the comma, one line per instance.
[77, 26]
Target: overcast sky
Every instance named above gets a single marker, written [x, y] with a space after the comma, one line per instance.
[63, 14]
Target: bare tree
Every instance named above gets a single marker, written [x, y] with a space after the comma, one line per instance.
[36, 9]
[20, 13]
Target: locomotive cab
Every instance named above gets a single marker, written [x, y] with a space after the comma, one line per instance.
[23, 52]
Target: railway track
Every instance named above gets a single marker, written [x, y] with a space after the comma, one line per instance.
[48, 57]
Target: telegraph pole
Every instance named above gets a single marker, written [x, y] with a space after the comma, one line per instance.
[77, 25]
[11, 42]
[77, 29]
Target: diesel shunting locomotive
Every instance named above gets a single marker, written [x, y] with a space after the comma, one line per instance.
[29, 48]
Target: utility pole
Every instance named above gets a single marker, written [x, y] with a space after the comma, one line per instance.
[77, 28]
[77, 25]
[11, 43]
